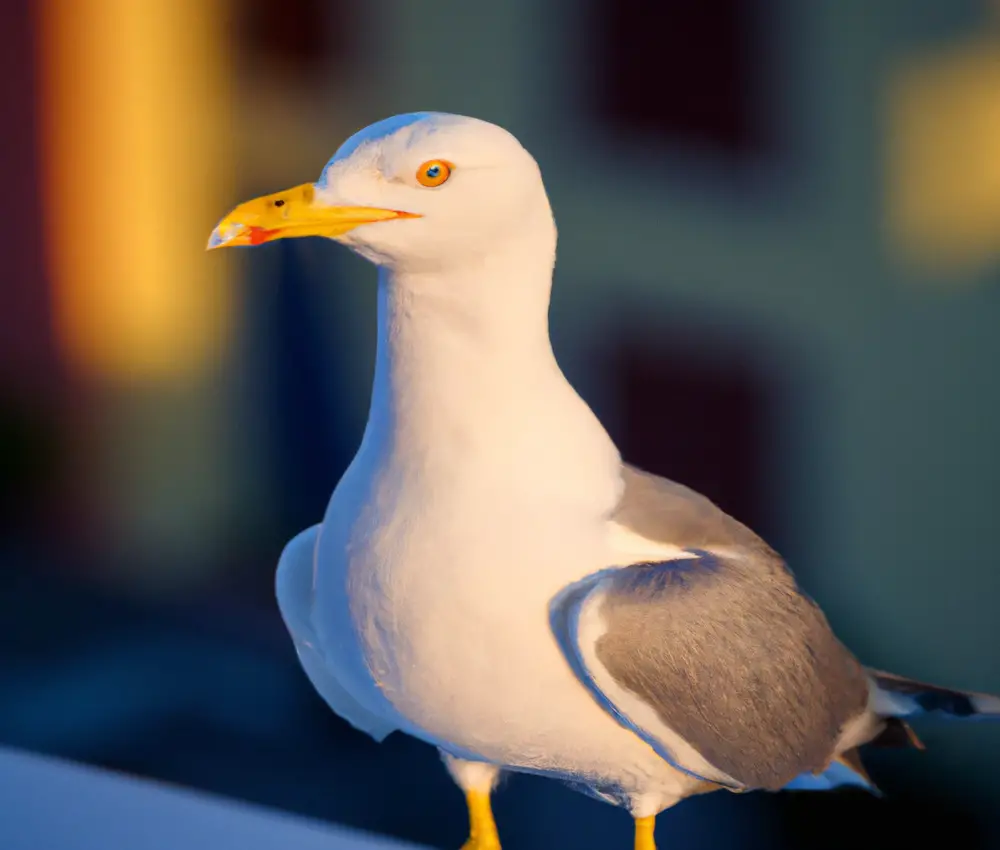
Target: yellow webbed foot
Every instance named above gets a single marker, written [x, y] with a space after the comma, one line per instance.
[482, 828]
[644, 833]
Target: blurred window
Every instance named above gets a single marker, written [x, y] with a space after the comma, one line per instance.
[689, 72]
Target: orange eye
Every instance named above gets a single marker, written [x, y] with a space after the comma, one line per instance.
[433, 173]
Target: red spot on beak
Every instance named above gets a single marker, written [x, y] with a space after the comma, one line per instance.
[260, 235]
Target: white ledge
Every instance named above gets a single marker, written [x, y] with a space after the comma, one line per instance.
[49, 803]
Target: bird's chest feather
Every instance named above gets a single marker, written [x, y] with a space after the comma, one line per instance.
[444, 593]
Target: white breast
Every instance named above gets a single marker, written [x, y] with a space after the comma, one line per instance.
[438, 615]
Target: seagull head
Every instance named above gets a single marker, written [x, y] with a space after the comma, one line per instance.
[421, 191]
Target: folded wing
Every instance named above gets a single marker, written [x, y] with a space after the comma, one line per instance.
[715, 656]
[295, 600]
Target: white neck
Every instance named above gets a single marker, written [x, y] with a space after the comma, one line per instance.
[465, 377]
[447, 354]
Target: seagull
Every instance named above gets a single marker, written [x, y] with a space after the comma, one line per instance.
[492, 578]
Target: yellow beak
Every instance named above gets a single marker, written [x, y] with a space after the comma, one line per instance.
[294, 212]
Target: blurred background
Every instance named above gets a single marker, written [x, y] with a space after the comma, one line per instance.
[779, 282]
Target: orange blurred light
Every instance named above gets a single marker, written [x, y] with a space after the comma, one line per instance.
[137, 134]
[943, 158]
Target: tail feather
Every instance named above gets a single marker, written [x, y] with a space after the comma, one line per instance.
[851, 759]
[898, 696]
[897, 734]
[846, 770]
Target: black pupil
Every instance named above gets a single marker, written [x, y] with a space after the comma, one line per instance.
[279, 203]
[434, 171]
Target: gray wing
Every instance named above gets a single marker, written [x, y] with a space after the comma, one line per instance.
[718, 660]
[295, 600]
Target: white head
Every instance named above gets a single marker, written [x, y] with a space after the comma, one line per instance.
[455, 212]
[423, 192]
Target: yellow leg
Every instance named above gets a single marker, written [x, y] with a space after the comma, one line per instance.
[482, 828]
[644, 833]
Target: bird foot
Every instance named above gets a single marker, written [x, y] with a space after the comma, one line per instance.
[644, 833]
[483, 833]
[478, 843]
